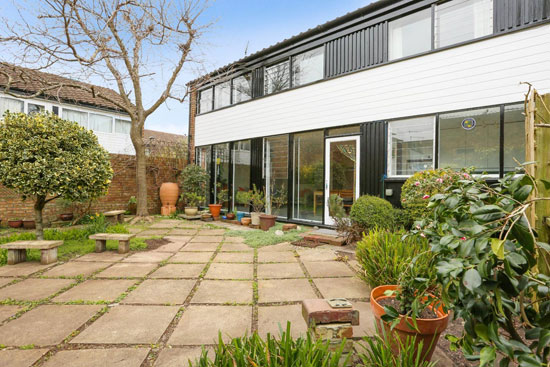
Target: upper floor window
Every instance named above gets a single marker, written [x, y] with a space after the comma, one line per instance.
[308, 67]
[122, 126]
[10, 104]
[222, 95]
[101, 123]
[277, 78]
[205, 100]
[77, 116]
[462, 20]
[34, 108]
[411, 34]
[242, 88]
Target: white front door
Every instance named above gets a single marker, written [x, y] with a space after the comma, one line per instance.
[341, 171]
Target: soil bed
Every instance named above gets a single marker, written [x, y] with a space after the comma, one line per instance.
[390, 301]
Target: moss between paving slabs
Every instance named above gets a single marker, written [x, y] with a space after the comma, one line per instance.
[259, 238]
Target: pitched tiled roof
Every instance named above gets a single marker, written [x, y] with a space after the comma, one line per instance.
[28, 81]
[162, 136]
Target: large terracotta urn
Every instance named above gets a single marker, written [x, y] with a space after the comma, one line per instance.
[169, 193]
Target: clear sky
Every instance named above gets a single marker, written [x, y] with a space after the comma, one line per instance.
[236, 24]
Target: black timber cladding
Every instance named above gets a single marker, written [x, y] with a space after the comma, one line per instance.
[373, 157]
[512, 14]
[357, 50]
[258, 82]
[256, 163]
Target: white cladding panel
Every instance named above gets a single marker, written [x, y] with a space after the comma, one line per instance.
[479, 74]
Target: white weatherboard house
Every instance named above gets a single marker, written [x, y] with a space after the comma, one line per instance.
[358, 104]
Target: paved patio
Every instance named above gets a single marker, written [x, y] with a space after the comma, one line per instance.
[158, 307]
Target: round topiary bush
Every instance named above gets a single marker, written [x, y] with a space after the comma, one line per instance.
[420, 187]
[371, 212]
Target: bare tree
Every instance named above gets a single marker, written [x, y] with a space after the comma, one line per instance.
[126, 42]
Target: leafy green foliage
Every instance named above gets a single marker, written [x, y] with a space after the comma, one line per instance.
[254, 198]
[486, 255]
[194, 181]
[266, 238]
[273, 352]
[372, 212]
[385, 256]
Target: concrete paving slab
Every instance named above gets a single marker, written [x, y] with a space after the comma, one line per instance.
[20, 358]
[134, 230]
[107, 256]
[277, 257]
[326, 269]
[366, 325]
[230, 271]
[178, 239]
[223, 291]
[231, 321]
[76, 268]
[234, 257]
[129, 324]
[316, 255]
[179, 357]
[283, 270]
[182, 232]
[22, 269]
[162, 225]
[147, 257]
[355, 265]
[127, 270]
[170, 247]
[46, 325]
[234, 239]
[285, 246]
[117, 357]
[211, 232]
[342, 287]
[273, 318]
[172, 292]
[4, 281]
[178, 271]
[201, 246]
[191, 257]
[284, 290]
[34, 289]
[96, 290]
[204, 239]
[152, 233]
[7, 311]
[190, 225]
[235, 246]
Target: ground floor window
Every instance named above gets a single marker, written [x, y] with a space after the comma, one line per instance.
[221, 170]
[514, 136]
[276, 172]
[204, 160]
[241, 154]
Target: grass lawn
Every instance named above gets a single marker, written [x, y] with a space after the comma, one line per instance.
[259, 238]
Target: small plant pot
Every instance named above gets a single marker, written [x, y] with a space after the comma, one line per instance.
[240, 215]
[255, 216]
[191, 211]
[29, 224]
[215, 209]
[231, 216]
[15, 223]
[428, 331]
[245, 221]
[66, 217]
[132, 208]
[267, 221]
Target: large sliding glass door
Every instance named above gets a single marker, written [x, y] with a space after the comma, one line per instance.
[204, 160]
[221, 172]
[241, 171]
[276, 174]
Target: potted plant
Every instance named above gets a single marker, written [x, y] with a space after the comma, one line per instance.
[221, 197]
[410, 309]
[194, 180]
[67, 214]
[231, 215]
[254, 198]
[278, 198]
[132, 205]
[15, 223]
[192, 202]
[29, 224]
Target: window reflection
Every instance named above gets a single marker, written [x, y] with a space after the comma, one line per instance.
[277, 78]
[308, 67]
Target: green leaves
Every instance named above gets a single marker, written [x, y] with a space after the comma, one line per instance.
[497, 246]
[471, 279]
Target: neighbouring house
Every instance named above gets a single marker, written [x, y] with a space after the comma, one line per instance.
[358, 104]
[33, 91]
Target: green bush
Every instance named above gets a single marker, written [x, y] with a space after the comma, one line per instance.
[273, 352]
[385, 255]
[371, 211]
[421, 186]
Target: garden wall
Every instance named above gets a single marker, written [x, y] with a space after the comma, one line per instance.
[122, 187]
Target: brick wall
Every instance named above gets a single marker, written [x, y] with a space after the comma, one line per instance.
[123, 186]
[192, 114]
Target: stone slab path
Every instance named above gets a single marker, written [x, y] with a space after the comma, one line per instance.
[159, 307]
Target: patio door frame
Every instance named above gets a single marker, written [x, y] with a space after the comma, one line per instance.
[357, 138]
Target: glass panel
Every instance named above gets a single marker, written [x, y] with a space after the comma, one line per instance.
[411, 34]
[343, 171]
[470, 139]
[205, 100]
[276, 173]
[242, 88]
[308, 176]
[80, 117]
[101, 123]
[204, 161]
[9, 104]
[221, 178]
[308, 67]
[122, 126]
[514, 136]
[411, 146]
[461, 20]
[355, 129]
[276, 78]
[34, 108]
[241, 171]
[222, 95]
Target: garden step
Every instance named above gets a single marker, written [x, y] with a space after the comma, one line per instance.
[319, 311]
[333, 240]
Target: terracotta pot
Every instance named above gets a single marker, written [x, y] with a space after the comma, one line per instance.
[245, 221]
[66, 217]
[169, 193]
[191, 211]
[267, 221]
[230, 216]
[29, 224]
[255, 216]
[428, 331]
[215, 209]
[15, 223]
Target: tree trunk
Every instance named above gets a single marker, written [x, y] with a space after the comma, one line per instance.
[136, 134]
[38, 207]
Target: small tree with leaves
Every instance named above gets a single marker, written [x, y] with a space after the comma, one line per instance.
[45, 157]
